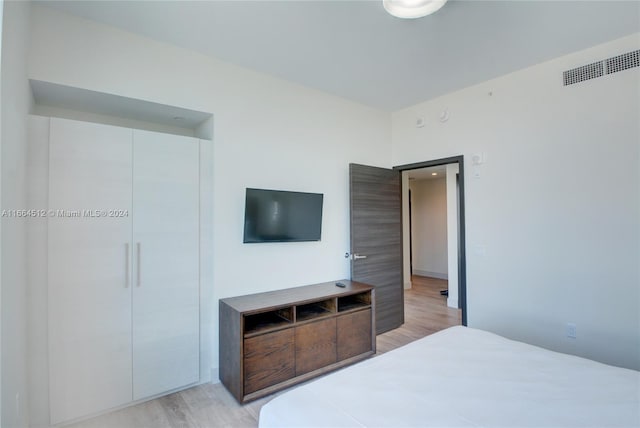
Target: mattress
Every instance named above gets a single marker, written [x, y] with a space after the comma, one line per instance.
[463, 377]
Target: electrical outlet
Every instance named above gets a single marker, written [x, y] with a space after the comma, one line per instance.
[571, 331]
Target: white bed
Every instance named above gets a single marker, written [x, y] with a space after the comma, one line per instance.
[462, 377]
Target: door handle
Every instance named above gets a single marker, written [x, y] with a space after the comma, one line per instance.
[138, 274]
[357, 257]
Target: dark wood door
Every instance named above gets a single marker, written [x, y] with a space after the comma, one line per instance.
[376, 239]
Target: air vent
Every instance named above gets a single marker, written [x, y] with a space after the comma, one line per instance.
[600, 68]
[586, 72]
[623, 62]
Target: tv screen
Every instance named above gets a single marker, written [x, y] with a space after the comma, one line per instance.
[279, 216]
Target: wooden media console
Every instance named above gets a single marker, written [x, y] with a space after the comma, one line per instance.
[270, 341]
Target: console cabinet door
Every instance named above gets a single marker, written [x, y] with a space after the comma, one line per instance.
[268, 359]
[166, 313]
[89, 281]
[315, 345]
[354, 334]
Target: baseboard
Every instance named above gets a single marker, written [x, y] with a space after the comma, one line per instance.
[430, 274]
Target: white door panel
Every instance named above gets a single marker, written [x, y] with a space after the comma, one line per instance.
[89, 302]
[166, 284]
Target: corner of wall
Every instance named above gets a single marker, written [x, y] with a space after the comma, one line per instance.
[215, 375]
[16, 101]
[1, 121]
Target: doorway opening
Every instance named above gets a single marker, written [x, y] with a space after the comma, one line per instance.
[443, 256]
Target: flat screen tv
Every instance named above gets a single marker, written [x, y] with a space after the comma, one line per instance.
[280, 216]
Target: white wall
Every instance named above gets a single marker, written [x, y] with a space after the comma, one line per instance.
[429, 227]
[16, 102]
[1, 405]
[37, 274]
[552, 222]
[267, 133]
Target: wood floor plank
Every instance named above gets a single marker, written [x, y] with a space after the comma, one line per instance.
[177, 411]
[426, 312]
[212, 406]
[149, 414]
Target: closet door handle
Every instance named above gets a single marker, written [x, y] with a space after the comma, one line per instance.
[127, 264]
[139, 276]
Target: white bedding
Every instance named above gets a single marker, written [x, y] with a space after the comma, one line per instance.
[462, 377]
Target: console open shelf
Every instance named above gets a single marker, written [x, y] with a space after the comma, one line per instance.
[269, 341]
[263, 322]
[354, 301]
[315, 310]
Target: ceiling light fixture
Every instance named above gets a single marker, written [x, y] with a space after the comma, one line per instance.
[412, 8]
[434, 173]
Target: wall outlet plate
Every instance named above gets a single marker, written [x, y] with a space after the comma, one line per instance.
[572, 331]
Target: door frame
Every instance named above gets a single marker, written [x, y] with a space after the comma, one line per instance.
[462, 259]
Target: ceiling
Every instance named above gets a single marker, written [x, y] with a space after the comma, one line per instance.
[427, 173]
[355, 50]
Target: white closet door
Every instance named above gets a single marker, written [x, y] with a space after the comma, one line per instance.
[166, 263]
[89, 278]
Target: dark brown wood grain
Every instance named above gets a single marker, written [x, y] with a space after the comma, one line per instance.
[230, 345]
[376, 232]
[268, 359]
[353, 334]
[261, 302]
[272, 340]
[315, 345]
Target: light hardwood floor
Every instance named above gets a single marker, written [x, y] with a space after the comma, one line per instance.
[210, 405]
[425, 312]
